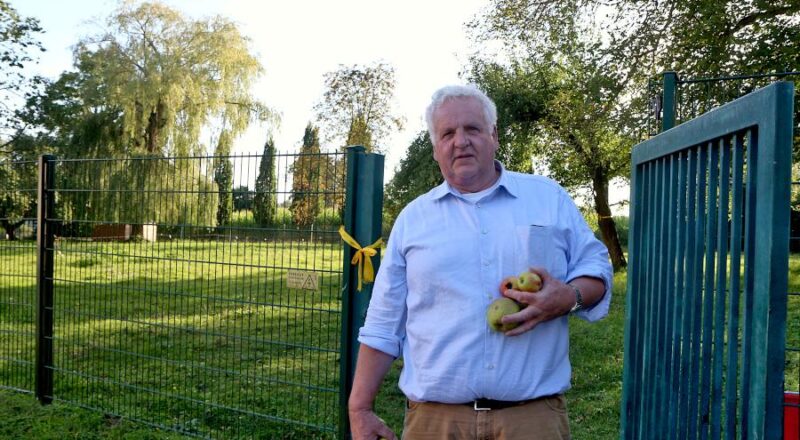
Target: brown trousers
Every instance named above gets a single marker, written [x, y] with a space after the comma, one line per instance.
[541, 419]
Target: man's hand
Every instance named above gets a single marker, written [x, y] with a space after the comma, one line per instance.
[366, 425]
[553, 300]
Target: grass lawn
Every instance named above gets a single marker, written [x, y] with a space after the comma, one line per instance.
[199, 336]
[204, 337]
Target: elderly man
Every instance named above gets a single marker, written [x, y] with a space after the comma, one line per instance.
[446, 256]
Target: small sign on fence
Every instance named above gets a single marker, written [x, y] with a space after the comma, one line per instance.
[298, 279]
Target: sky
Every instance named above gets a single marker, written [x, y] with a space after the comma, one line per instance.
[297, 42]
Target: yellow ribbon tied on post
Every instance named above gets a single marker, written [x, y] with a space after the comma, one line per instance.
[363, 257]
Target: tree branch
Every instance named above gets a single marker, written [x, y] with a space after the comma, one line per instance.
[761, 15]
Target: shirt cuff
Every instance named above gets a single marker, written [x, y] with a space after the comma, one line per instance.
[387, 344]
[599, 310]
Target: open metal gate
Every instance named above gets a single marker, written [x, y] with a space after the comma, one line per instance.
[706, 312]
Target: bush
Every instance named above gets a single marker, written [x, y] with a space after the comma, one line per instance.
[328, 217]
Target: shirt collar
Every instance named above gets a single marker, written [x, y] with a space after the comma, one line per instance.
[504, 181]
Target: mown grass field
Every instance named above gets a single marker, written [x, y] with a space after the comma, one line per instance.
[202, 336]
[199, 336]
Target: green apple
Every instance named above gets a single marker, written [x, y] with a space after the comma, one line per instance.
[529, 282]
[499, 308]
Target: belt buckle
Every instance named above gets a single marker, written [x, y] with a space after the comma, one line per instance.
[477, 408]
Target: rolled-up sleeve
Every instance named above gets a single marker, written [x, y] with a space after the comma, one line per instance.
[588, 257]
[384, 327]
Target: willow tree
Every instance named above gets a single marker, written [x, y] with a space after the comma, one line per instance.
[161, 79]
[170, 77]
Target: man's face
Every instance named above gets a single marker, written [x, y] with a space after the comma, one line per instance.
[464, 144]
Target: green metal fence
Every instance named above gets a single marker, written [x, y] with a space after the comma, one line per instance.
[706, 315]
[685, 98]
[156, 305]
[18, 195]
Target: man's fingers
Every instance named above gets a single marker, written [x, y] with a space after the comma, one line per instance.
[516, 295]
[525, 314]
[385, 433]
[383, 430]
[527, 325]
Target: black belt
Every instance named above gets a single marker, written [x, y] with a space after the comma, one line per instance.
[490, 404]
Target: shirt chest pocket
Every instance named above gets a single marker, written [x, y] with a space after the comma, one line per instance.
[542, 246]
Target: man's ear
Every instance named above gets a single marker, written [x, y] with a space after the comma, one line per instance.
[496, 137]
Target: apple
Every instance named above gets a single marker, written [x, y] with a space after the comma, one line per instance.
[509, 283]
[529, 282]
[499, 308]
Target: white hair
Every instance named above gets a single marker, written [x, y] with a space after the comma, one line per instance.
[447, 93]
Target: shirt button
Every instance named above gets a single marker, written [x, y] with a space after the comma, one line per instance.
[490, 366]
[484, 231]
[477, 205]
[485, 263]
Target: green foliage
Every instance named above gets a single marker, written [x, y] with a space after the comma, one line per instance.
[14, 203]
[705, 37]
[622, 224]
[180, 192]
[560, 109]
[18, 182]
[17, 40]
[265, 200]
[283, 216]
[521, 91]
[223, 177]
[168, 77]
[328, 217]
[147, 86]
[306, 182]
[242, 198]
[598, 57]
[416, 174]
[356, 108]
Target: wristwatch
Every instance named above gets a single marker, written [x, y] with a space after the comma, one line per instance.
[578, 299]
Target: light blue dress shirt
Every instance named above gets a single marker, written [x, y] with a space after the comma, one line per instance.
[442, 267]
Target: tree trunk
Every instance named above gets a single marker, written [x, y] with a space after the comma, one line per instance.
[605, 221]
[155, 123]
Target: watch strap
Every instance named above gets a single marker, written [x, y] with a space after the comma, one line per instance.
[578, 299]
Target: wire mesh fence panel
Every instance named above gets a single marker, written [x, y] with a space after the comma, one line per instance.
[201, 294]
[18, 180]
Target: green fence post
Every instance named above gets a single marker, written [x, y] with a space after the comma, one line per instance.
[362, 220]
[669, 98]
[45, 239]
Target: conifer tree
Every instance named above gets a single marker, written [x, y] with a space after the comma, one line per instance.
[306, 173]
[265, 203]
